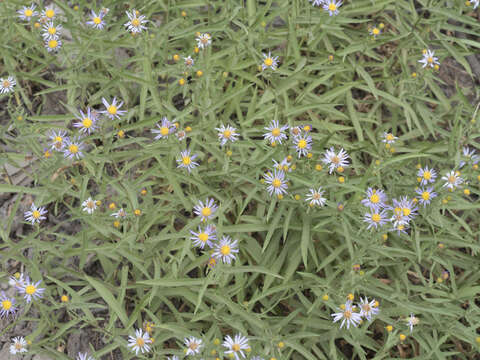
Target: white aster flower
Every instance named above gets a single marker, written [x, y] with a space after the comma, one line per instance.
[317, 2]
[87, 123]
[96, 21]
[35, 215]
[112, 110]
[277, 184]
[136, 21]
[376, 218]
[53, 45]
[269, 62]
[225, 249]
[475, 3]
[164, 129]
[6, 85]
[27, 12]
[315, 197]
[203, 40]
[120, 214]
[283, 165]
[189, 62]
[205, 211]
[139, 342]
[236, 345]
[452, 179]
[84, 356]
[470, 155]
[331, 6]
[7, 306]
[17, 282]
[227, 133]
[368, 309]
[375, 199]
[73, 148]
[375, 31]
[347, 315]
[49, 12]
[58, 139]
[302, 144]
[335, 161]
[89, 205]
[31, 290]
[425, 195]
[51, 31]
[204, 237]
[412, 321]
[19, 345]
[388, 138]
[186, 160]
[429, 59]
[275, 132]
[426, 175]
[193, 345]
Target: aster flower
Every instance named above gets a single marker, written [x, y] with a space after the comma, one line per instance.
[375, 31]
[282, 165]
[335, 161]
[236, 346]
[429, 59]
[225, 249]
[139, 342]
[368, 309]
[205, 211]
[87, 123]
[276, 182]
[6, 85]
[400, 228]
[227, 133]
[35, 215]
[203, 40]
[53, 45]
[49, 12]
[164, 129]
[31, 290]
[186, 160]
[73, 148]
[84, 356]
[475, 3]
[19, 345]
[302, 144]
[317, 2]
[136, 21]
[332, 6]
[120, 214]
[425, 195]
[50, 31]
[7, 306]
[375, 199]
[89, 205]
[452, 179]
[204, 237]
[193, 345]
[96, 21]
[275, 132]
[112, 110]
[17, 282]
[469, 154]
[189, 62]
[376, 218]
[27, 12]
[315, 197]
[403, 211]
[181, 135]
[347, 315]
[412, 321]
[388, 138]
[426, 175]
[269, 62]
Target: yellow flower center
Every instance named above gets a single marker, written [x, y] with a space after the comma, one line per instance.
[18, 346]
[6, 83]
[268, 61]
[112, 109]
[276, 132]
[6, 304]
[335, 159]
[225, 249]
[58, 139]
[36, 214]
[376, 217]
[97, 20]
[347, 314]
[276, 183]
[374, 198]
[206, 211]
[425, 195]
[135, 22]
[227, 133]
[451, 179]
[52, 30]
[302, 144]
[203, 237]
[366, 307]
[164, 130]
[87, 122]
[50, 13]
[204, 40]
[236, 347]
[406, 211]
[332, 7]
[427, 175]
[389, 137]
[430, 60]
[28, 12]
[140, 341]
[186, 160]
[90, 204]
[30, 289]
[52, 44]
[397, 210]
[375, 31]
[73, 148]
[316, 196]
